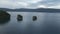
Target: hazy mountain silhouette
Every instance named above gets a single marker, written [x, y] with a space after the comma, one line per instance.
[32, 10]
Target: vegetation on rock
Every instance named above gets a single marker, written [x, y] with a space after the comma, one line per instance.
[4, 16]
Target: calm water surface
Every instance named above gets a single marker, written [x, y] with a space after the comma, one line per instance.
[46, 23]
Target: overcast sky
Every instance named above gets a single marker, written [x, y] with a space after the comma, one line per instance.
[13, 4]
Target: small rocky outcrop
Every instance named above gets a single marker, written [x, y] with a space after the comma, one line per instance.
[34, 18]
[4, 16]
[19, 17]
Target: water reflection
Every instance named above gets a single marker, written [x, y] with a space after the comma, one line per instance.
[4, 21]
[46, 23]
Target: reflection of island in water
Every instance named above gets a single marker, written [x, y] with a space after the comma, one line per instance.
[4, 21]
[4, 17]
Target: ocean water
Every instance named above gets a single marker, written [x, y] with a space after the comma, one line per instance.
[46, 23]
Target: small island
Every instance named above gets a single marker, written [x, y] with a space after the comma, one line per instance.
[19, 17]
[4, 16]
[34, 18]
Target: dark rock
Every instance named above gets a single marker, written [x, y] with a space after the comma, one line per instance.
[34, 18]
[4, 16]
[19, 17]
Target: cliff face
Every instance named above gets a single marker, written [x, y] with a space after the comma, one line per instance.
[4, 16]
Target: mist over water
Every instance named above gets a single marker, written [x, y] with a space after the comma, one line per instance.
[46, 23]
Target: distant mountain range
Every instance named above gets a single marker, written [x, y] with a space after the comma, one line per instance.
[32, 10]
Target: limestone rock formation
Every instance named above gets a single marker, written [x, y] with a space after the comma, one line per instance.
[19, 17]
[34, 18]
[4, 16]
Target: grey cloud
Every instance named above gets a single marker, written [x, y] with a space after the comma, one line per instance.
[15, 4]
[47, 3]
[50, 2]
